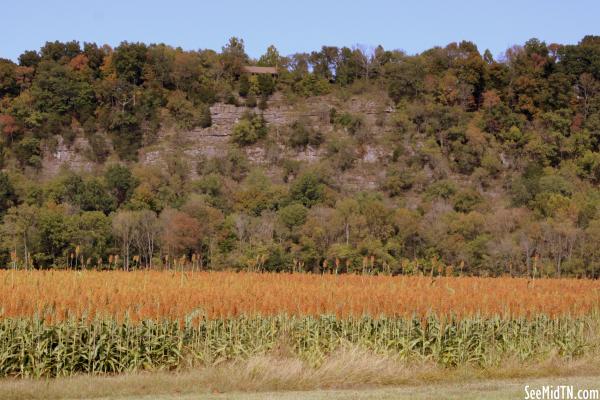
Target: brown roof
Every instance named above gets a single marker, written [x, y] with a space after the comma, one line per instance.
[259, 70]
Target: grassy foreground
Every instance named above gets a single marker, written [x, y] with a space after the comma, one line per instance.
[349, 374]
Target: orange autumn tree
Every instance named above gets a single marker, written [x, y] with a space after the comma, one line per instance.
[179, 232]
[8, 126]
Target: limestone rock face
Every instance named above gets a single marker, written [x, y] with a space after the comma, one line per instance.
[60, 154]
[214, 141]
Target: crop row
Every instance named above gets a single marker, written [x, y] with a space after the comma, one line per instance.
[30, 347]
[141, 295]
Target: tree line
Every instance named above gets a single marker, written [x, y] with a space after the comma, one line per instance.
[494, 164]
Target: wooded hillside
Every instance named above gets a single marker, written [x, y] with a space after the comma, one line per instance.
[349, 159]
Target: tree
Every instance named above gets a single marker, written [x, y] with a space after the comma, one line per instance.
[324, 61]
[29, 153]
[587, 87]
[179, 232]
[146, 235]
[347, 211]
[308, 189]
[592, 233]
[8, 196]
[364, 56]
[20, 233]
[406, 224]
[8, 126]
[124, 229]
[406, 79]
[120, 182]
[60, 51]
[271, 58]
[293, 215]
[55, 235]
[92, 234]
[210, 220]
[465, 201]
[233, 57]
[128, 60]
[378, 217]
[89, 194]
[29, 58]
[95, 56]
[8, 79]
[57, 90]
[126, 133]
[186, 70]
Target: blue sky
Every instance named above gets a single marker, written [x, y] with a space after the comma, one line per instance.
[296, 26]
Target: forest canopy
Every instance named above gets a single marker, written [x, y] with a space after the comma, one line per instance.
[489, 165]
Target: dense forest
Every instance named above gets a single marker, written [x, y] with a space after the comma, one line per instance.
[485, 166]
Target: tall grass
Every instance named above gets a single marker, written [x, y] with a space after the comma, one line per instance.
[30, 347]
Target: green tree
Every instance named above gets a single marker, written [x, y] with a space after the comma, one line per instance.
[93, 234]
[8, 81]
[20, 233]
[128, 60]
[57, 90]
[308, 189]
[293, 215]
[8, 196]
[28, 152]
[271, 58]
[120, 182]
[88, 194]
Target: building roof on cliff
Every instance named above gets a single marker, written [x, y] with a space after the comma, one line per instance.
[251, 69]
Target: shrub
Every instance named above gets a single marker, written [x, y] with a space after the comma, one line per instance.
[466, 200]
[349, 122]
[302, 135]
[186, 114]
[251, 100]
[398, 181]
[244, 88]
[266, 85]
[249, 129]
[442, 189]
[342, 152]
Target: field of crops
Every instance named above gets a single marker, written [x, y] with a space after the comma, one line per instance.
[62, 323]
[56, 295]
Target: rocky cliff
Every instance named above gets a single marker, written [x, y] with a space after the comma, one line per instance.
[214, 141]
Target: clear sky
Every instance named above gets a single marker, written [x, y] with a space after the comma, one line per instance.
[296, 26]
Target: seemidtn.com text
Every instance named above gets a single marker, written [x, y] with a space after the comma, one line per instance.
[560, 392]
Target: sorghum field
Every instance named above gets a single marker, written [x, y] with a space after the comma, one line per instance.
[64, 322]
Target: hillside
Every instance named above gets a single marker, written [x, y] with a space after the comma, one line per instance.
[346, 160]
